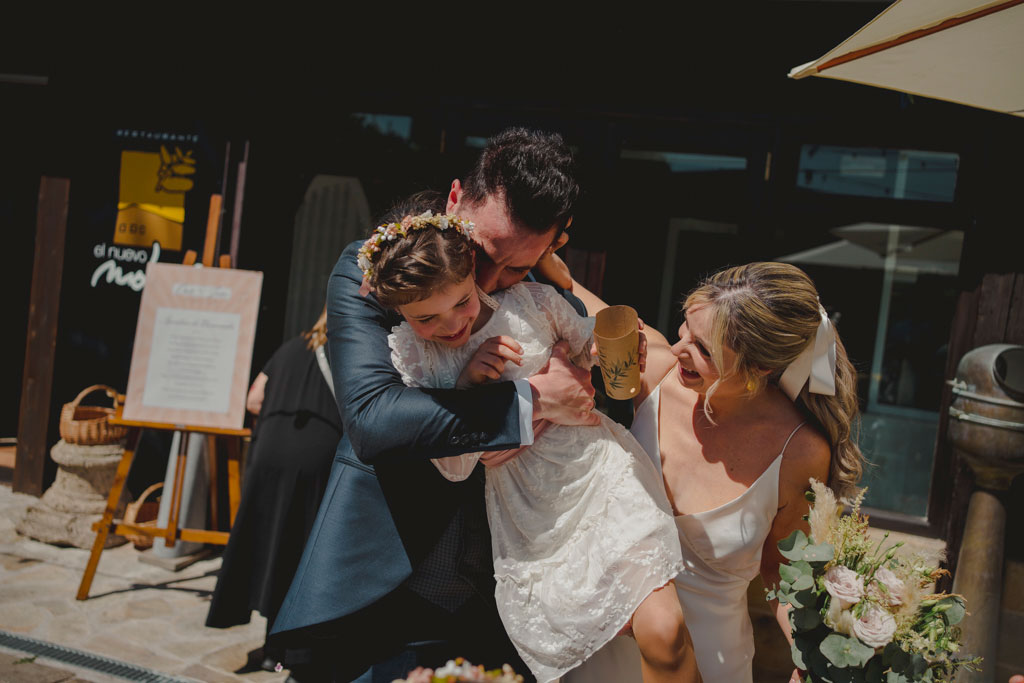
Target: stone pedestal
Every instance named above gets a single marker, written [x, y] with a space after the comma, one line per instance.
[979, 578]
[76, 500]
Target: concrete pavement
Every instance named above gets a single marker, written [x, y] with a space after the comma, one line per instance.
[136, 613]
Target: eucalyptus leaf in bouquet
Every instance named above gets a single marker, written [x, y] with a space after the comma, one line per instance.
[860, 612]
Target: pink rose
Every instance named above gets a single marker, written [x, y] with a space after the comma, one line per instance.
[875, 628]
[844, 585]
[419, 675]
[894, 588]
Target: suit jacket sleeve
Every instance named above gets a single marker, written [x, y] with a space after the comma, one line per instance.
[385, 420]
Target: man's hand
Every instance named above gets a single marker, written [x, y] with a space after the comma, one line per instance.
[489, 361]
[562, 392]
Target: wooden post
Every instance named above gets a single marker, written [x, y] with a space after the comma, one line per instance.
[234, 478]
[212, 231]
[979, 578]
[211, 466]
[41, 339]
[236, 218]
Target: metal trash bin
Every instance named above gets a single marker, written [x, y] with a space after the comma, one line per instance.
[987, 413]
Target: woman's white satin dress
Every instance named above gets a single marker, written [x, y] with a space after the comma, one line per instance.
[721, 555]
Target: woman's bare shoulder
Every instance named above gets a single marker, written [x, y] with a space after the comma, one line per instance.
[808, 455]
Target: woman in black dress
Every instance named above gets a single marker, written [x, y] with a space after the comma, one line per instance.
[289, 463]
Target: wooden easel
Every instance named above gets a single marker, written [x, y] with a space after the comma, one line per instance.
[172, 532]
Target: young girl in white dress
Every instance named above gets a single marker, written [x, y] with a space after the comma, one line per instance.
[582, 533]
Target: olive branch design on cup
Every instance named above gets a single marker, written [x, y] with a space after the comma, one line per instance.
[615, 373]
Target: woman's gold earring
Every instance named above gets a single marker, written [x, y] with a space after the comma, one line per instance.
[751, 385]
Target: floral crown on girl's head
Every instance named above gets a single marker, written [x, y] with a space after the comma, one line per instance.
[369, 253]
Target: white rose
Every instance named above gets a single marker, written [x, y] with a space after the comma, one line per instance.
[875, 628]
[839, 619]
[893, 584]
[844, 585]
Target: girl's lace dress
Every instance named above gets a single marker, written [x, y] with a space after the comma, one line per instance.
[581, 528]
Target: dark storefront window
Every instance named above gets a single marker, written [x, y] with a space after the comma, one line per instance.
[893, 291]
[686, 208]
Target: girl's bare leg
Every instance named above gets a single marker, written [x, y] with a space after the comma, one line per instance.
[666, 650]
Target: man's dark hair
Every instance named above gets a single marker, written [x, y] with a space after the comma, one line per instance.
[533, 172]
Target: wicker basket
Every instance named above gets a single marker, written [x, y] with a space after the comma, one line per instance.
[143, 512]
[89, 425]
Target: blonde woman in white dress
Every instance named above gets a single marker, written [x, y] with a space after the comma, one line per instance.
[756, 398]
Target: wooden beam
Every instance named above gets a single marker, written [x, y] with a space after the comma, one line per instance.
[239, 200]
[994, 300]
[1015, 323]
[212, 231]
[187, 535]
[41, 339]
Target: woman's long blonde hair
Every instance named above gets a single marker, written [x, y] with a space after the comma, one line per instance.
[316, 336]
[767, 313]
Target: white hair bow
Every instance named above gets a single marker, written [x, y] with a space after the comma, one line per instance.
[817, 362]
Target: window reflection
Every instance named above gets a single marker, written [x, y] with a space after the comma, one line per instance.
[907, 276]
[387, 124]
[680, 162]
[872, 172]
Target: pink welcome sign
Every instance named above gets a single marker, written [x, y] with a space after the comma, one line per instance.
[193, 346]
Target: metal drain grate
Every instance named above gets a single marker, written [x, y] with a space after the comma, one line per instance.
[84, 660]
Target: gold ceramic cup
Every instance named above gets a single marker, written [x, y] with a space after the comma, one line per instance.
[617, 337]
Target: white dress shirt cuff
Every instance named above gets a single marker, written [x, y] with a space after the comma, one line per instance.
[525, 411]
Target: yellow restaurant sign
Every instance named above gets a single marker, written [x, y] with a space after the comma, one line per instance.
[151, 200]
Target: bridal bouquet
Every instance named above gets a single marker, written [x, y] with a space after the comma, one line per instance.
[860, 612]
[459, 670]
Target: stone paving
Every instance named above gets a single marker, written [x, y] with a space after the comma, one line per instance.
[136, 613]
[148, 616]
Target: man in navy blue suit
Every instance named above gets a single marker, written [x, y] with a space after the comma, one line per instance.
[397, 570]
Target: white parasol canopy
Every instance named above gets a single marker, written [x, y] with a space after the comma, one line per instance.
[908, 250]
[965, 51]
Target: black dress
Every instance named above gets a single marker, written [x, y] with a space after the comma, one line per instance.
[289, 463]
